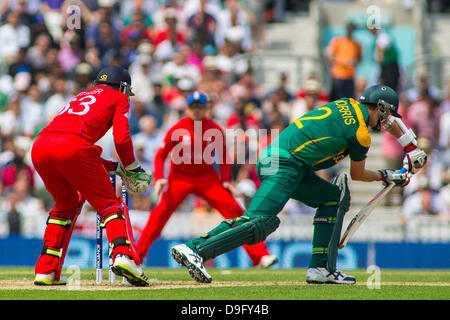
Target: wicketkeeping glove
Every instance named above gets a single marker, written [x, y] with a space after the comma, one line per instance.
[399, 177]
[415, 158]
[134, 177]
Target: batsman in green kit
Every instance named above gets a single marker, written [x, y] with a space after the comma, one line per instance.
[286, 168]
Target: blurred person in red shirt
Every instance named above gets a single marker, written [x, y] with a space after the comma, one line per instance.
[192, 172]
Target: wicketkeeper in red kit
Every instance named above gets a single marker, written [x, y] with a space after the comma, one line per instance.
[193, 172]
[68, 161]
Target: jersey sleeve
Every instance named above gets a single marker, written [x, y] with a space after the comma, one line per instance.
[357, 152]
[162, 153]
[121, 132]
[225, 166]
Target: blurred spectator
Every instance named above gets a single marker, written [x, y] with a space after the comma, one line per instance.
[20, 64]
[22, 8]
[32, 112]
[24, 214]
[179, 68]
[344, 55]
[15, 170]
[423, 85]
[233, 21]
[53, 17]
[202, 26]
[57, 100]
[6, 87]
[255, 9]
[37, 54]
[173, 6]
[104, 14]
[7, 151]
[310, 97]
[212, 81]
[444, 125]
[106, 41]
[275, 110]
[13, 37]
[387, 56]
[169, 32]
[247, 88]
[422, 194]
[137, 28]
[445, 105]
[84, 76]
[140, 72]
[158, 108]
[71, 52]
[423, 116]
[149, 138]
[360, 86]
[10, 119]
[282, 89]
[244, 116]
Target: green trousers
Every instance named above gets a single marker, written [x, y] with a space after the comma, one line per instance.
[284, 177]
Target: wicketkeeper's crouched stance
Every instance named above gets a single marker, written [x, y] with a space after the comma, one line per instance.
[317, 140]
[70, 165]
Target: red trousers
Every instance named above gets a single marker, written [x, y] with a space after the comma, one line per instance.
[69, 164]
[206, 186]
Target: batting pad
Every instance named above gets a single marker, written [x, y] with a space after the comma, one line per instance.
[343, 207]
[240, 231]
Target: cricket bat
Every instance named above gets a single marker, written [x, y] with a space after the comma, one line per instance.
[362, 215]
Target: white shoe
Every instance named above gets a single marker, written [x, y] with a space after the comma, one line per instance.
[322, 275]
[186, 257]
[126, 267]
[267, 261]
[49, 280]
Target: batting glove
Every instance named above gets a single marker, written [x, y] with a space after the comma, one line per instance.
[134, 177]
[399, 177]
[415, 158]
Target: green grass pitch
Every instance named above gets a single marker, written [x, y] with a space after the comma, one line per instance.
[16, 283]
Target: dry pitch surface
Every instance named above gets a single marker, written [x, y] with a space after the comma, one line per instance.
[233, 284]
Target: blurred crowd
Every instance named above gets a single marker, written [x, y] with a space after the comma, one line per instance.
[52, 49]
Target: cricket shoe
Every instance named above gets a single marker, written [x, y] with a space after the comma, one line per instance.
[49, 280]
[267, 261]
[322, 275]
[125, 266]
[186, 257]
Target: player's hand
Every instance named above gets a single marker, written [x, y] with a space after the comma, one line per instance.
[415, 159]
[119, 169]
[228, 186]
[399, 177]
[159, 186]
[135, 178]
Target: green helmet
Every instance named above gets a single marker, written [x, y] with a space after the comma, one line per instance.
[383, 96]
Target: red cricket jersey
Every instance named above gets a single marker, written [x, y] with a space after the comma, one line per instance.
[92, 113]
[193, 146]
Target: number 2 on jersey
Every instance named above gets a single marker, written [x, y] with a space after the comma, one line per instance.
[299, 123]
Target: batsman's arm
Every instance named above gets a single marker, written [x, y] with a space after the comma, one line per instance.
[415, 158]
[359, 172]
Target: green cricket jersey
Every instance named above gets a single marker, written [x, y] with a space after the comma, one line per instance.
[324, 136]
